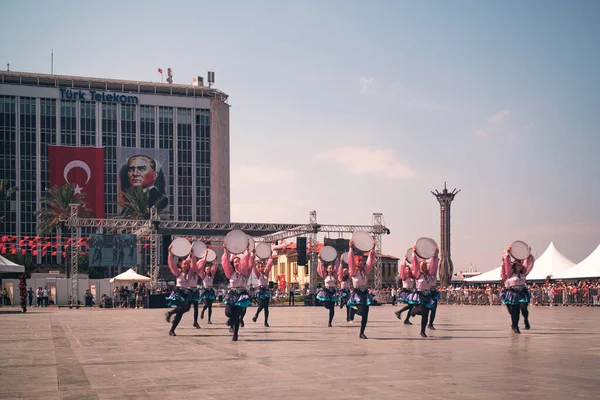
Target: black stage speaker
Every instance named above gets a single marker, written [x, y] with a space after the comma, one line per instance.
[271, 284]
[301, 248]
[166, 242]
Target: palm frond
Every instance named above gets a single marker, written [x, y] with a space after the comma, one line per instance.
[56, 207]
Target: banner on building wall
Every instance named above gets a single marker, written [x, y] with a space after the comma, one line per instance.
[281, 284]
[82, 167]
[145, 168]
[112, 251]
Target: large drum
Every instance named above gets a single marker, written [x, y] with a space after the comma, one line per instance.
[409, 254]
[180, 247]
[211, 256]
[363, 241]
[425, 247]
[236, 242]
[263, 250]
[344, 257]
[251, 244]
[199, 249]
[519, 250]
[328, 254]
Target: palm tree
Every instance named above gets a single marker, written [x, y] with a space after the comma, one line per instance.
[56, 208]
[5, 193]
[136, 205]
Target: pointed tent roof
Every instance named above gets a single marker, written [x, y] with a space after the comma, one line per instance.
[490, 276]
[588, 268]
[9, 266]
[130, 276]
[550, 263]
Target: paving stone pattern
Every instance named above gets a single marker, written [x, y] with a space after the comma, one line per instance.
[127, 354]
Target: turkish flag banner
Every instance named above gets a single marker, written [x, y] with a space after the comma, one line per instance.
[82, 167]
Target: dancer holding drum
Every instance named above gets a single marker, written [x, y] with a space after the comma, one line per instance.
[359, 271]
[238, 271]
[426, 279]
[345, 280]
[328, 295]
[515, 294]
[263, 296]
[207, 294]
[407, 294]
[199, 250]
[186, 273]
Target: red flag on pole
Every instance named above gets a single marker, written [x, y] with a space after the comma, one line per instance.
[83, 167]
[160, 70]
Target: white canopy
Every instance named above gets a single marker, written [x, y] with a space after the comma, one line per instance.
[588, 268]
[9, 266]
[130, 276]
[551, 263]
[490, 276]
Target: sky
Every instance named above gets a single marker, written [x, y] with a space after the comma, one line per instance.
[352, 108]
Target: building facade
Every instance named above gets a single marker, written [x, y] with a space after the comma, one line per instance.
[186, 125]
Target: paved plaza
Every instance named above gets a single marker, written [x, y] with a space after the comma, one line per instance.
[126, 354]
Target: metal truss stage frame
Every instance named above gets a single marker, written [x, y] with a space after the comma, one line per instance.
[215, 232]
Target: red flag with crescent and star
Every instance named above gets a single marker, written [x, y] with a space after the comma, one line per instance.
[82, 167]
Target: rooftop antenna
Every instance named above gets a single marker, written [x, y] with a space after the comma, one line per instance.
[211, 78]
[7, 67]
[52, 62]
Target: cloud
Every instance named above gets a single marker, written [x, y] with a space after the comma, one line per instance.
[480, 133]
[368, 161]
[366, 83]
[567, 228]
[499, 117]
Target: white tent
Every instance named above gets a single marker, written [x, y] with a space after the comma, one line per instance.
[551, 263]
[130, 276]
[9, 266]
[490, 276]
[588, 268]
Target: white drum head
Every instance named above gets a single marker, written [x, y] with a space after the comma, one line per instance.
[363, 241]
[236, 241]
[263, 250]
[328, 254]
[409, 254]
[180, 247]
[211, 256]
[199, 249]
[345, 257]
[251, 244]
[425, 247]
[519, 250]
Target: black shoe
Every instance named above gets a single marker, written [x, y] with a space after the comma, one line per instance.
[527, 326]
[352, 312]
[168, 315]
[362, 336]
[172, 333]
[202, 315]
[516, 330]
[407, 322]
[266, 324]
[242, 323]
[423, 334]
[234, 338]
[209, 322]
[196, 325]
[347, 319]
[254, 318]
[431, 327]
[329, 325]
[398, 314]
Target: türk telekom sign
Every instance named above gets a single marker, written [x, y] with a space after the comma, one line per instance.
[94, 95]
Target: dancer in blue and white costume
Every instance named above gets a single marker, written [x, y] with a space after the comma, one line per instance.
[238, 298]
[515, 294]
[207, 294]
[426, 282]
[408, 294]
[328, 294]
[263, 294]
[360, 297]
